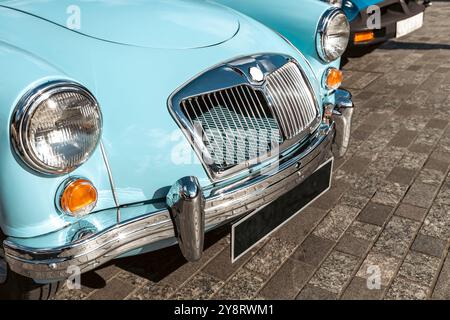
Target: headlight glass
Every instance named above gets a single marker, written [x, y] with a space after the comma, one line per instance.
[335, 3]
[57, 127]
[333, 35]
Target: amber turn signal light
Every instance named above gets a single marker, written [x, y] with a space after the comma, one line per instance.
[365, 36]
[333, 79]
[79, 197]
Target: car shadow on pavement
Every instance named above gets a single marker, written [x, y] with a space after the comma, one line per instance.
[395, 45]
[154, 266]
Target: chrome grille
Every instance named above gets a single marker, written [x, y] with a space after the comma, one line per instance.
[236, 125]
[234, 121]
[292, 99]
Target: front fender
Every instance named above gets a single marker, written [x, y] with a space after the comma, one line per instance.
[27, 201]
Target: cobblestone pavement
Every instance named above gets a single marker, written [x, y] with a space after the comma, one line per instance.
[388, 210]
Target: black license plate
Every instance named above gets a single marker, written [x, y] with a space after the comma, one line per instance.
[255, 227]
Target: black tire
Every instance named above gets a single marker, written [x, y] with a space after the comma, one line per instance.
[18, 287]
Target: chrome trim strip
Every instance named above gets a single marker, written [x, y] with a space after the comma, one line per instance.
[52, 263]
[111, 181]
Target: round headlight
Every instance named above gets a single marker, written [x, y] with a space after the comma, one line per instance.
[56, 127]
[333, 35]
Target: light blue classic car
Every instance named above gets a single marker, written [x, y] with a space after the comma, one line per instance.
[131, 126]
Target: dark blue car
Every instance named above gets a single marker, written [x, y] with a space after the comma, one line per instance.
[376, 21]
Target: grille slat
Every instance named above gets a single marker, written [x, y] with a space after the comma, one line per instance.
[279, 111]
[290, 96]
[303, 111]
[243, 123]
[284, 107]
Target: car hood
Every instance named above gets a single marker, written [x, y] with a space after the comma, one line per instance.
[143, 23]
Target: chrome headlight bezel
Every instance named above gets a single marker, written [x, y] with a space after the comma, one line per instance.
[323, 26]
[23, 113]
[335, 3]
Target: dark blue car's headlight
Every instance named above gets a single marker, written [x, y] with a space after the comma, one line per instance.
[56, 127]
[335, 3]
[332, 35]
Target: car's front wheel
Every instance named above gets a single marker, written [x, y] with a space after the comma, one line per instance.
[16, 287]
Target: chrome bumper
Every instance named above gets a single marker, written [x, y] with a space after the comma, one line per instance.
[192, 215]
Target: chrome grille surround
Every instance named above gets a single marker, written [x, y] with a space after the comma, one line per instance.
[225, 108]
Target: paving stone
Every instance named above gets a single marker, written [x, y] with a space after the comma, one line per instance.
[437, 223]
[404, 289]
[385, 161]
[329, 199]
[413, 160]
[397, 237]
[441, 153]
[364, 231]
[437, 124]
[444, 194]
[401, 176]
[335, 272]
[420, 148]
[420, 268]
[356, 165]
[151, 291]
[115, 289]
[390, 193]
[360, 80]
[354, 246]
[221, 266]
[411, 212]
[364, 185]
[429, 245]
[430, 177]
[421, 195]
[438, 165]
[270, 257]
[359, 290]
[403, 138]
[313, 250]
[244, 285]
[68, 294]
[363, 132]
[186, 269]
[315, 293]
[132, 279]
[429, 136]
[375, 213]
[442, 289]
[355, 200]
[300, 226]
[201, 287]
[288, 281]
[336, 222]
[107, 272]
[378, 262]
